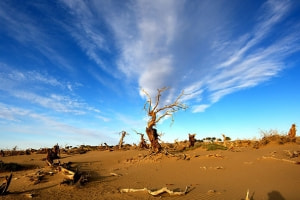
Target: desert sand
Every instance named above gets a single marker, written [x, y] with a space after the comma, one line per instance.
[268, 172]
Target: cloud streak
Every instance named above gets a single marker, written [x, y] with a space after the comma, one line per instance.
[16, 84]
[216, 60]
[198, 47]
[46, 128]
[147, 51]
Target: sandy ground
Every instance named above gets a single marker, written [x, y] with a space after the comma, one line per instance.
[267, 172]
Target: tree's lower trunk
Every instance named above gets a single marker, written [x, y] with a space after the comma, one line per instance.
[153, 137]
[192, 140]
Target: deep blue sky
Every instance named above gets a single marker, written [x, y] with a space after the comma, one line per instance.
[71, 71]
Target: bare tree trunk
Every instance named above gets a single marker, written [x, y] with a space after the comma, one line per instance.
[192, 140]
[153, 137]
[121, 140]
[292, 132]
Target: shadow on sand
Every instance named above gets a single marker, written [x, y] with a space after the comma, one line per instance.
[275, 195]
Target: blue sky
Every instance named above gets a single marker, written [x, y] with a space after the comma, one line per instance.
[71, 71]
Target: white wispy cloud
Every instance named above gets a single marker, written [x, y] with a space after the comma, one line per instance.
[43, 90]
[11, 113]
[248, 67]
[200, 108]
[270, 14]
[28, 123]
[195, 46]
[192, 46]
[84, 28]
[147, 50]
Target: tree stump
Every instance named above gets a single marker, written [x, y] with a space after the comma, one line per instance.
[192, 140]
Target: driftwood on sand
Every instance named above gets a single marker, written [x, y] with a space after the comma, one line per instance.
[5, 184]
[157, 192]
[281, 159]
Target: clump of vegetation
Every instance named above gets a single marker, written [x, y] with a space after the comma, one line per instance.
[196, 146]
[15, 152]
[213, 146]
[274, 136]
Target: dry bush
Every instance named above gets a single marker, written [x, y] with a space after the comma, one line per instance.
[273, 136]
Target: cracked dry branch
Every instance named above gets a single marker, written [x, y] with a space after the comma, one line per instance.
[281, 159]
[67, 173]
[157, 192]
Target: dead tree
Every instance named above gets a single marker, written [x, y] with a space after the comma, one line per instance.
[56, 150]
[52, 154]
[2, 153]
[106, 146]
[292, 132]
[143, 143]
[192, 140]
[121, 139]
[156, 113]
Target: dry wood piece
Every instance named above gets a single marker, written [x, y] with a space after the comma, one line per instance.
[215, 168]
[5, 184]
[157, 192]
[215, 155]
[29, 195]
[281, 159]
[114, 174]
[73, 177]
[68, 173]
[247, 195]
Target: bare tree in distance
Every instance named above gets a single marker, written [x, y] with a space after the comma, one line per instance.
[156, 113]
[124, 133]
[142, 144]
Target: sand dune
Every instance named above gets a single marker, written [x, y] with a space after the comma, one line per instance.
[268, 172]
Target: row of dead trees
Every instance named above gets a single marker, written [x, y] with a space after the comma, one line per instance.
[192, 139]
[141, 145]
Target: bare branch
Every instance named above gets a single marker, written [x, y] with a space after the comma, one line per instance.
[168, 109]
[159, 91]
[148, 102]
[176, 104]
